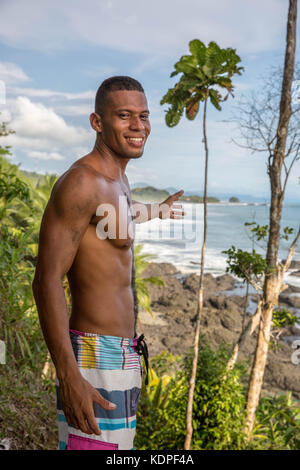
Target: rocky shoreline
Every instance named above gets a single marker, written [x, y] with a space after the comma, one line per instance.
[174, 307]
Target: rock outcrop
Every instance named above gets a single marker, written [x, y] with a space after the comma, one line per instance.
[175, 308]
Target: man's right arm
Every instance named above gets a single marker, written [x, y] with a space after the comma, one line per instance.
[66, 218]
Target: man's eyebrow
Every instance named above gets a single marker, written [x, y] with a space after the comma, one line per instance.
[130, 111]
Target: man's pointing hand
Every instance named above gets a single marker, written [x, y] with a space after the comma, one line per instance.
[170, 209]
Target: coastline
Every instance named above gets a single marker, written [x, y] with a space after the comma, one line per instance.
[174, 307]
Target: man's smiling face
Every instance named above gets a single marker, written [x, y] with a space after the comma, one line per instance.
[125, 123]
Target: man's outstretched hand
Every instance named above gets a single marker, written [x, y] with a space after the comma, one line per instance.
[169, 209]
[77, 399]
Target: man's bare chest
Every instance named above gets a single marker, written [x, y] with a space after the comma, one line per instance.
[113, 219]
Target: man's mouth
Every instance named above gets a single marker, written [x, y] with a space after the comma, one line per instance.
[135, 141]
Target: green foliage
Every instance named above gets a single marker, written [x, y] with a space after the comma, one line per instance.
[166, 363]
[5, 132]
[19, 324]
[218, 409]
[261, 231]
[155, 398]
[204, 72]
[153, 402]
[283, 317]
[18, 316]
[247, 266]
[198, 199]
[277, 424]
[32, 215]
[234, 199]
[23, 201]
[286, 232]
[11, 188]
[141, 262]
[149, 193]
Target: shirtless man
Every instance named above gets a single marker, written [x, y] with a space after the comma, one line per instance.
[95, 351]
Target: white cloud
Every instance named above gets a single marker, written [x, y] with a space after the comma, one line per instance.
[12, 73]
[55, 96]
[40, 93]
[154, 27]
[45, 155]
[5, 115]
[39, 127]
[75, 110]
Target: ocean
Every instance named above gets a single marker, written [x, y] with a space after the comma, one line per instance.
[179, 241]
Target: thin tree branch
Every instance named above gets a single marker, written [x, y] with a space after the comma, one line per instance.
[291, 252]
[288, 172]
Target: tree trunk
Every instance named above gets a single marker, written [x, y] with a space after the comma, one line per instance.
[272, 282]
[261, 353]
[189, 415]
[247, 331]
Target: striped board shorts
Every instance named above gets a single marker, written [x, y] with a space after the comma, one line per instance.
[113, 367]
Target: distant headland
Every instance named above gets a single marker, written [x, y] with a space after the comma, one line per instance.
[150, 193]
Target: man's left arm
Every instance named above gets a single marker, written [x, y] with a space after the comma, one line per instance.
[168, 209]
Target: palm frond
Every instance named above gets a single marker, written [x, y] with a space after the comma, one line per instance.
[141, 262]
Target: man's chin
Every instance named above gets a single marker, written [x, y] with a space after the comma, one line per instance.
[136, 154]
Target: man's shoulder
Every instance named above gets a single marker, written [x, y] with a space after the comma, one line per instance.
[78, 188]
[80, 179]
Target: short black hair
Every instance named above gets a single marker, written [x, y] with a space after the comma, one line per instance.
[114, 84]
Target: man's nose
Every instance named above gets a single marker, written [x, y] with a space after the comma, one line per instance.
[136, 123]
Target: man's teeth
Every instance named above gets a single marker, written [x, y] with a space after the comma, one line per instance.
[135, 139]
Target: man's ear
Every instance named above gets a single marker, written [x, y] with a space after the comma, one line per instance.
[95, 121]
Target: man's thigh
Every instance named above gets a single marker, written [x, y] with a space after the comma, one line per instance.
[113, 368]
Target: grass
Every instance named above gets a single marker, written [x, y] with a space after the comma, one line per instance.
[27, 410]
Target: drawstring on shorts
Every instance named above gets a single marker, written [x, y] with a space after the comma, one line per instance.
[142, 350]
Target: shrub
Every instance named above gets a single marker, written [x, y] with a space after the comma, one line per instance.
[218, 412]
[277, 424]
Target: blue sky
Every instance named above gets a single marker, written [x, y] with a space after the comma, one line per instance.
[54, 55]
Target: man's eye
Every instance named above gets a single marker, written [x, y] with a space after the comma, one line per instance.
[123, 115]
[144, 117]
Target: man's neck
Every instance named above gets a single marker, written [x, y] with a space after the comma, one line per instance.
[114, 165]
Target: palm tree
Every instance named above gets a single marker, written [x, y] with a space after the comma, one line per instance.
[205, 72]
[29, 215]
